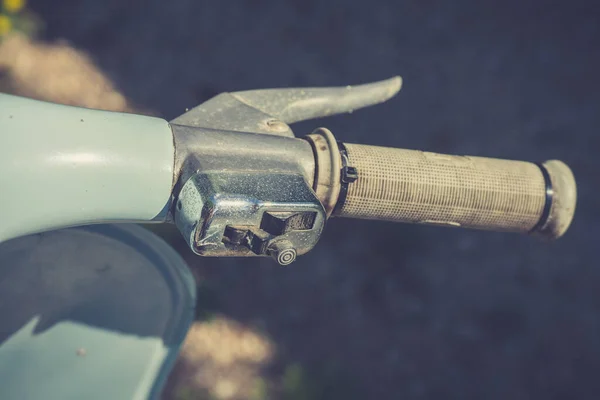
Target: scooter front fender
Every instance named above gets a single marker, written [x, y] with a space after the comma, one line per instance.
[96, 312]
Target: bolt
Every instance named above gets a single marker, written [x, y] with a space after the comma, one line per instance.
[283, 252]
[277, 125]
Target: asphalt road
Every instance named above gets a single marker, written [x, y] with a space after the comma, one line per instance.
[398, 311]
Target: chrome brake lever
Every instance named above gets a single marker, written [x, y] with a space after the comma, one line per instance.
[269, 111]
[245, 185]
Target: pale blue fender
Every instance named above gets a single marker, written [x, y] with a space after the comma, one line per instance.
[64, 166]
[96, 312]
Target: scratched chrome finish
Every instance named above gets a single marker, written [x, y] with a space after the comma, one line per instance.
[230, 179]
[210, 201]
[201, 149]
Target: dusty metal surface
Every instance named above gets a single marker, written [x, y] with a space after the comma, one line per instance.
[220, 150]
[327, 167]
[233, 180]
[268, 111]
[213, 202]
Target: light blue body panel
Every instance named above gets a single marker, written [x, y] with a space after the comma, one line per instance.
[64, 166]
[95, 312]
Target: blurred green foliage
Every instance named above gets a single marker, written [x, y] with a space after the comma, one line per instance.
[15, 17]
[296, 385]
[260, 390]
[299, 383]
[190, 393]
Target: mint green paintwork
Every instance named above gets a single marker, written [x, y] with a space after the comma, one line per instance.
[98, 312]
[100, 351]
[63, 166]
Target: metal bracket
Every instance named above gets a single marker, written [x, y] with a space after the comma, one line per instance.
[249, 214]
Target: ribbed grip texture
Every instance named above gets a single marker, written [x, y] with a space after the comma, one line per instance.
[421, 187]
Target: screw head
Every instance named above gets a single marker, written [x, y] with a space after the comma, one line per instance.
[277, 125]
[283, 253]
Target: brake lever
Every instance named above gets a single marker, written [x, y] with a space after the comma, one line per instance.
[246, 186]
